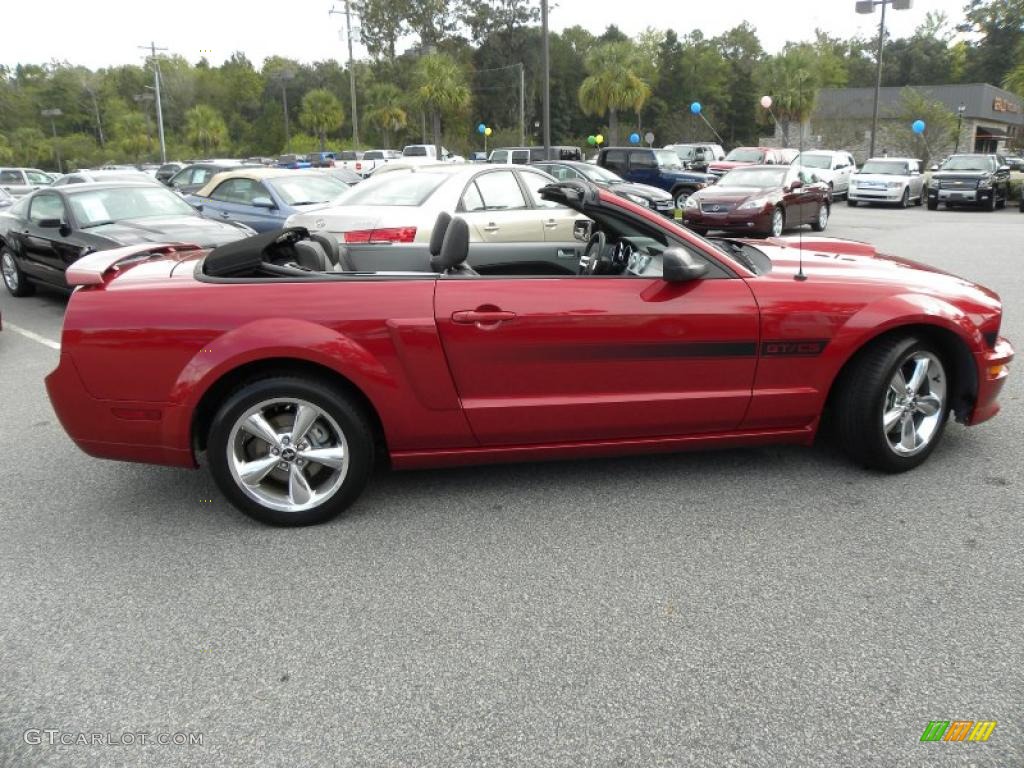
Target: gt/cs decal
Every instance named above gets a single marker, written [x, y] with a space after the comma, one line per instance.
[793, 348]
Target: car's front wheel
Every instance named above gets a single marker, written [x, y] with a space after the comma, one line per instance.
[681, 196]
[893, 404]
[821, 220]
[778, 223]
[14, 279]
[290, 451]
[905, 200]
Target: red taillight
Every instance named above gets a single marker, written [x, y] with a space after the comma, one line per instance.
[359, 166]
[383, 235]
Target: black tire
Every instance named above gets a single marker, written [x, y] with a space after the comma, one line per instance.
[905, 200]
[817, 224]
[347, 415]
[771, 226]
[1001, 203]
[860, 401]
[992, 203]
[849, 202]
[680, 195]
[920, 199]
[15, 281]
[933, 205]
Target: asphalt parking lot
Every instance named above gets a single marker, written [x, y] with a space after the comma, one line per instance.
[762, 607]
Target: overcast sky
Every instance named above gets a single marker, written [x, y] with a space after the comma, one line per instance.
[98, 33]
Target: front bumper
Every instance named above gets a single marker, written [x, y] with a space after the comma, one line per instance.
[961, 196]
[875, 194]
[754, 220]
[993, 370]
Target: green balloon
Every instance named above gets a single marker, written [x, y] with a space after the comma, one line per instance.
[591, 140]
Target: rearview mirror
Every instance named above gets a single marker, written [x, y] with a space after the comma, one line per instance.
[680, 266]
[582, 230]
[263, 202]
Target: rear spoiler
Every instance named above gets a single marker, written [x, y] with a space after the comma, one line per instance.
[90, 269]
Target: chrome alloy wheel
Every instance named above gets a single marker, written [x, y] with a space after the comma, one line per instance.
[288, 454]
[778, 222]
[10, 271]
[823, 216]
[914, 403]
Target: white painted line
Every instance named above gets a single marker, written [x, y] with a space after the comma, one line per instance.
[31, 335]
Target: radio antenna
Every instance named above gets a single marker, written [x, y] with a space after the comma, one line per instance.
[801, 78]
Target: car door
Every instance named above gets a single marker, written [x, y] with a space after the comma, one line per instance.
[13, 180]
[557, 221]
[47, 250]
[495, 207]
[643, 168]
[841, 170]
[916, 183]
[236, 200]
[563, 359]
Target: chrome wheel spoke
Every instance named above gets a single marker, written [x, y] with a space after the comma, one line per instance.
[305, 416]
[891, 418]
[333, 457]
[253, 472]
[898, 385]
[299, 492]
[908, 433]
[919, 375]
[258, 426]
[928, 405]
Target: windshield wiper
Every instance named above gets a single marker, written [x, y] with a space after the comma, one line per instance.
[310, 202]
[97, 224]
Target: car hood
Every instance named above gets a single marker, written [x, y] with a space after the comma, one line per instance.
[643, 190]
[725, 165]
[162, 229]
[883, 177]
[835, 260]
[718, 194]
[961, 174]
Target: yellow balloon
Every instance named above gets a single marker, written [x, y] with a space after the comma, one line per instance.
[488, 131]
[600, 138]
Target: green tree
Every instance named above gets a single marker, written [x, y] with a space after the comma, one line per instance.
[613, 84]
[6, 153]
[790, 79]
[940, 125]
[321, 113]
[131, 132]
[999, 29]
[439, 88]
[205, 129]
[386, 113]
[31, 147]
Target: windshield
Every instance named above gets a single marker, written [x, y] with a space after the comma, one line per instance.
[101, 206]
[814, 161]
[745, 155]
[415, 151]
[753, 177]
[597, 173]
[410, 189]
[303, 190]
[667, 158]
[967, 163]
[684, 153]
[885, 167]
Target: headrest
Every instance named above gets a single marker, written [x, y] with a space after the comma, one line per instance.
[330, 246]
[437, 235]
[454, 248]
[311, 254]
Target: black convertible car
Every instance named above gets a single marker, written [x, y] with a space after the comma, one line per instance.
[43, 233]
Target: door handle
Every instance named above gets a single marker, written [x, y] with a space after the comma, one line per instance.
[550, 224]
[224, 214]
[492, 227]
[566, 253]
[482, 317]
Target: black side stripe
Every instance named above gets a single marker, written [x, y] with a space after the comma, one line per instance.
[684, 349]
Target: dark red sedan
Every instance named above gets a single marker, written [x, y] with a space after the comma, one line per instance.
[293, 376]
[760, 199]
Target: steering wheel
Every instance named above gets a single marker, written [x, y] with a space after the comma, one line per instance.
[593, 255]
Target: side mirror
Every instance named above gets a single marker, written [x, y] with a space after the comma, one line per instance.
[796, 185]
[582, 230]
[934, 168]
[679, 266]
[50, 223]
[1004, 169]
[263, 202]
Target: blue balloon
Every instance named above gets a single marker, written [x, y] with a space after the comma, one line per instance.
[481, 128]
[634, 138]
[695, 107]
[918, 126]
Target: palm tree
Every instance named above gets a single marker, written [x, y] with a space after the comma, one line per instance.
[791, 80]
[439, 86]
[321, 112]
[613, 83]
[205, 129]
[386, 113]
[6, 153]
[1014, 80]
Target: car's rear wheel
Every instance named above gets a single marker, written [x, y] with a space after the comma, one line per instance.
[821, 221]
[14, 279]
[849, 202]
[778, 223]
[933, 205]
[893, 404]
[290, 451]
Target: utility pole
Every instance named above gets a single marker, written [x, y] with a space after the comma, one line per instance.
[52, 113]
[868, 7]
[959, 124]
[282, 76]
[546, 65]
[351, 70]
[156, 88]
[522, 104]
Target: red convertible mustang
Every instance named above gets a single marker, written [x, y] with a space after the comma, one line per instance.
[293, 374]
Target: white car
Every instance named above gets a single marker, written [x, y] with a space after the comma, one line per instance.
[888, 180]
[832, 167]
[386, 221]
[427, 153]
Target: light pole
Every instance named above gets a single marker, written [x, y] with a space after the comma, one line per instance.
[351, 71]
[959, 122]
[52, 113]
[282, 76]
[546, 66]
[868, 7]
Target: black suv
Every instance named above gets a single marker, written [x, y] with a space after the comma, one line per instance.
[975, 180]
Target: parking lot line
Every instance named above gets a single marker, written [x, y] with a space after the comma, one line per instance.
[32, 335]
